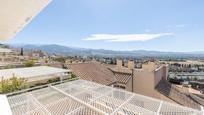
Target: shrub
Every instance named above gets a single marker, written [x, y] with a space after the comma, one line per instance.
[12, 84]
[29, 63]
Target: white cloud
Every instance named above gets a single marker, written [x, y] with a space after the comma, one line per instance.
[125, 37]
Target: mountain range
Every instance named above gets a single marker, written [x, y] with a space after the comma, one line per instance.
[72, 51]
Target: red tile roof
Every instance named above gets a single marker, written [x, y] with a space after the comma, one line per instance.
[122, 77]
[99, 73]
[93, 71]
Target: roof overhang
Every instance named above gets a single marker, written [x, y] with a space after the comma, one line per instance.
[16, 14]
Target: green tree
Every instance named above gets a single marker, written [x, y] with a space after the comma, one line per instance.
[195, 78]
[21, 53]
[73, 75]
[60, 59]
[29, 63]
[188, 78]
[9, 66]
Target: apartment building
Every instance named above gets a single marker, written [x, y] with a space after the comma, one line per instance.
[142, 81]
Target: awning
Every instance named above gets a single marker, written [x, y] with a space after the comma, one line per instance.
[16, 14]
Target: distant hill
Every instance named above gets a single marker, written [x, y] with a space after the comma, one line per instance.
[64, 50]
[4, 46]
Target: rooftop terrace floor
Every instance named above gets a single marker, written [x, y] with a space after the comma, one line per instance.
[82, 97]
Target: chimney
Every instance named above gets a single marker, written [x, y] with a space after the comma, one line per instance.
[151, 66]
[131, 64]
[119, 64]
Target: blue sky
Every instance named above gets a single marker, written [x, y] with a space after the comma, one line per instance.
[162, 25]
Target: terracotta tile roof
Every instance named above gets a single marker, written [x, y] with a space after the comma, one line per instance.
[122, 77]
[99, 73]
[93, 71]
[114, 68]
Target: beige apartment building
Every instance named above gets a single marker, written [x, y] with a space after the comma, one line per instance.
[146, 80]
[142, 81]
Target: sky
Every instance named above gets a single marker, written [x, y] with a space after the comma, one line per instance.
[160, 25]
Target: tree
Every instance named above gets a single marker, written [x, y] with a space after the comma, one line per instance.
[60, 59]
[29, 63]
[187, 78]
[9, 66]
[21, 52]
[73, 75]
[195, 78]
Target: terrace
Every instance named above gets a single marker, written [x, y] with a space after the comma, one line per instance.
[84, 97]
[22, 78]
[33, 74]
